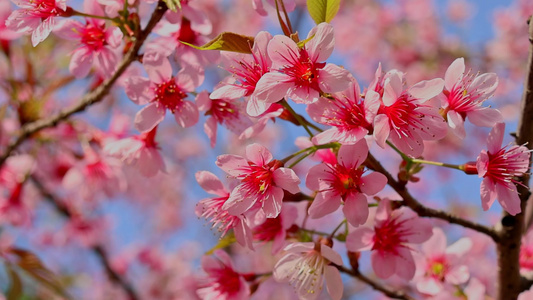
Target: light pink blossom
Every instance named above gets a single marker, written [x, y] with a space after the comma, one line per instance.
[306, 265]
[222, 281]
[212, 208]
[349, 116]
[301, 73]
[463, 95]
[96, 46]
[247, 71]
[499, 166]
[440, 267]
[344, 182]
[36, 17]
[163, 92]
[259, 8]
[406, 117]
[391, 240]
[262, 181]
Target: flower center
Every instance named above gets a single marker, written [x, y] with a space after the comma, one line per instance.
[93, 36]
[169, 95]
[388, 237]
[346, 180]
[222, 110]
[186, 34]
[268, 230]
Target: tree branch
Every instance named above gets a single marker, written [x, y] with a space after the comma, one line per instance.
[98, 250]
[376, 286]
[422, 210]
[92, 97]
[513, 226]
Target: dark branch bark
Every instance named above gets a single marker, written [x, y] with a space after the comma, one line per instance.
[422, 210]
[98, 250]
[513, 226]
[375, 285]
[92, 97]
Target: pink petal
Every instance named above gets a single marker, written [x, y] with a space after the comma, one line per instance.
[325, 203]
[148, 117]
[321, 45]
[495, 138]
[157, 66]
[330, 254]
[356, 209]
[239, 201]
[272, 204]
[243, 234]
[457, 275]
[81, 62]
[138, 90]
[454, 73]
[229, 91]
[232, 164]
[456, 122]
[114, 37]
[69, 29]
[327, 136]
[488, 193]
[508, 198]
[255, 107]
[42, 31]
[405, 265]
[150, 162]
[282, 51]
[427, 89]
[352, 156]
[187, 115]
[286, 179]
[303, 94]
[272, 87]
[373, 183]
[360, 239]
[107, 61]
[485, 84]
[317, 176]
[203, 102]
[333, 282]
[258, 154]
[383, 264]
[485, 116]
[260, 46]
[189, 78]
[258, 7]
[436, 245]
[410, 145]
[210, 128]
[381, 130]
[333, 79]
[392, 89]
[210, 183]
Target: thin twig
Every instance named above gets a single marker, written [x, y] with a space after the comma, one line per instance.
[92, 97]
[422, 210]
[97, 249]
[376, 286]
[509, 281]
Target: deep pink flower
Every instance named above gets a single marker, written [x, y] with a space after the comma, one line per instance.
[440, 267]
[499, 166]
[526, 254]
[227, 112]
[262, 180]
[406, 118]
[212, 208]
[141, 151]
[14, 209]
[36, 17]
[351, 117]
[391, 240]
[247, 70]
[344, 182]
[463, 95]
[96, 46]
[306, 266]
[222, 281]
[300, 73]
[275, 229]
[163, 92]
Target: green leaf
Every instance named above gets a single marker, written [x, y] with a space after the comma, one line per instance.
[301, 44]
[228, 41]
[224, 242]
[15, 289]
[323, 10]
[30, 263]
[173, 5]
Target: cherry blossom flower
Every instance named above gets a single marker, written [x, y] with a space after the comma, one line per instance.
[274, 111]
[222, 111]
[259, 8]
[300, 73]
[262, 180]
[247, 71]
[526, 254]
[351, 118]
[440, 267]
[526, 295]
[463, 95]
[406, 118]
[391, 240]
[162, 92]
[14, 209]
[499, 166]
[36, 17]
[344, 182]
[140, 151]
[96, 46]
[306, 265]
[222, 281]
[212, 208]
[275, 229]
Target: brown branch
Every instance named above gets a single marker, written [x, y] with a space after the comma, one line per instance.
[375, 285]
[514, 226]
[422, 210]
[92, 97]
[98, 250]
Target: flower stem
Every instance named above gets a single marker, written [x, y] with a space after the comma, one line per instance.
[422, 161]
[337, 228]
[81, 14]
